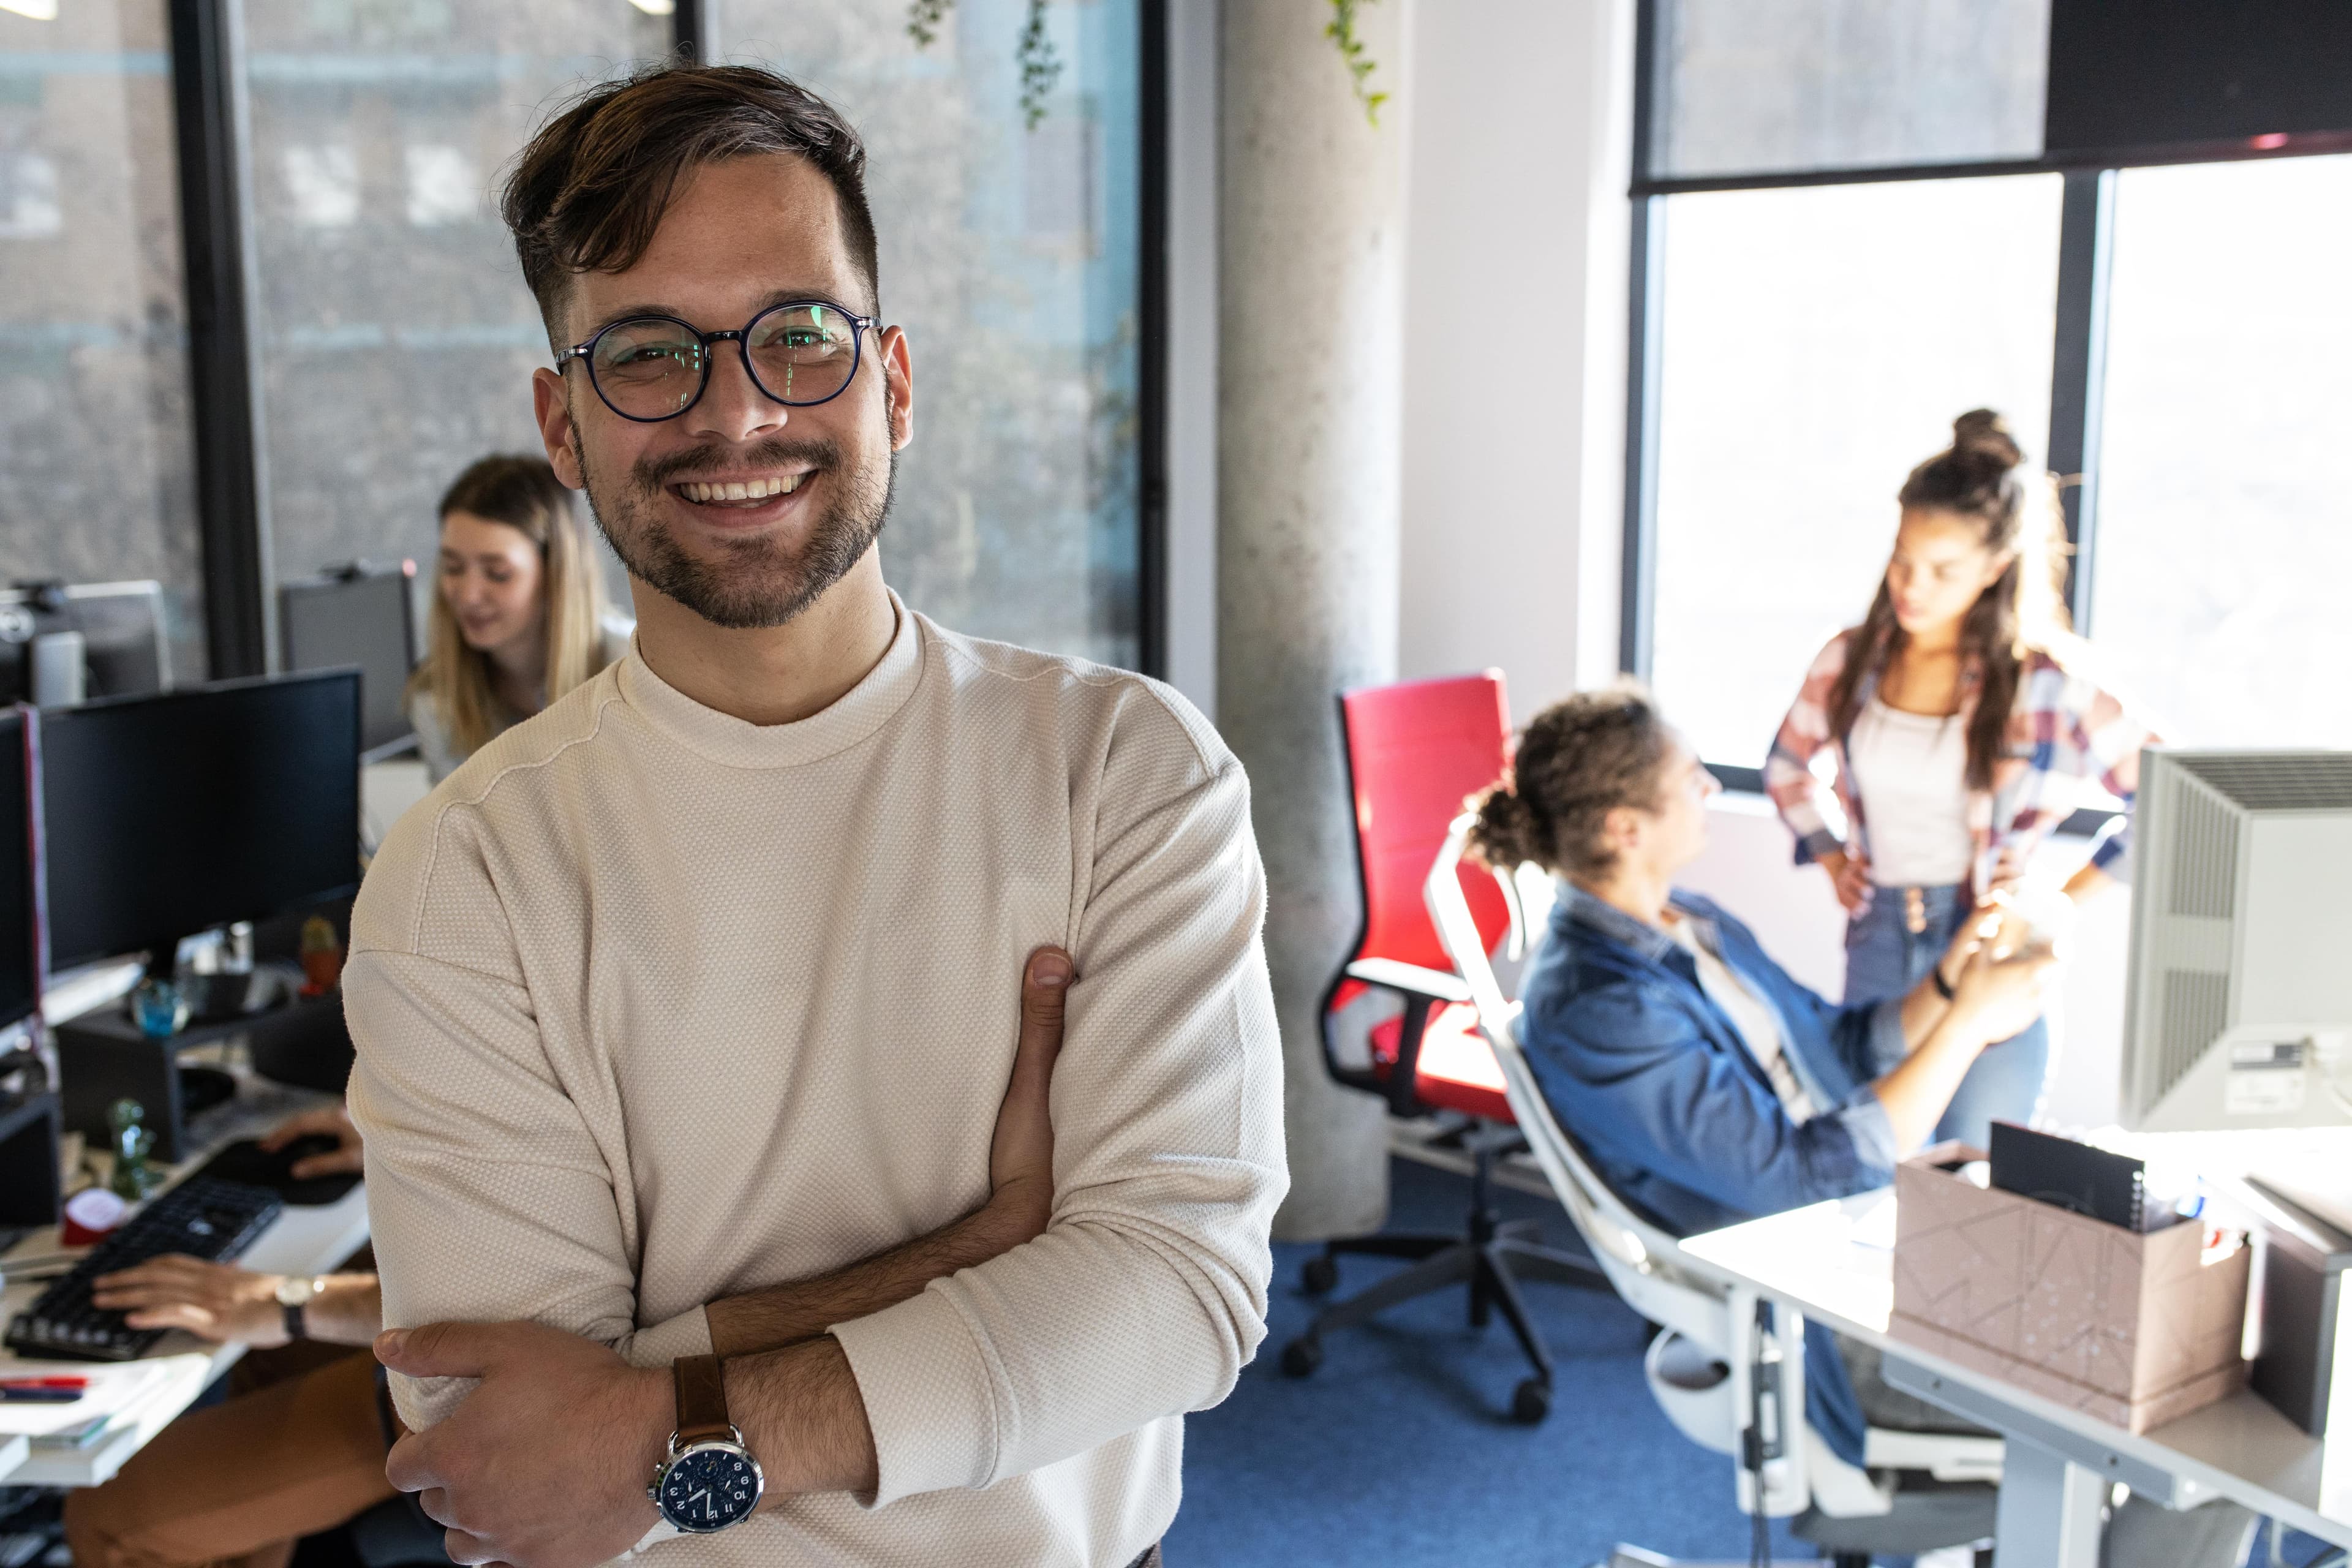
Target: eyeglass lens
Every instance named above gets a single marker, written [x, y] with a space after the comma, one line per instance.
[651, 368]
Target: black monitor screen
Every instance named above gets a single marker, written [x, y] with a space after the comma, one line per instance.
[364, 618]
[166, 815]
[18, 990]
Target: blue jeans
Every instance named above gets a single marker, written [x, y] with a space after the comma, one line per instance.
[1884, 957]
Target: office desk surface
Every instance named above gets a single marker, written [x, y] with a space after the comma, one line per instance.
[1834, 1263]
[300, 1241]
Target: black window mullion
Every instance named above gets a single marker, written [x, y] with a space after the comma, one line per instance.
[689, 26]
[232, 495]
[2079, 367]
[1637, 607]
[1151, 367]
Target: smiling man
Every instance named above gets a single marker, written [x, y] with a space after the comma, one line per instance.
[685, 1010]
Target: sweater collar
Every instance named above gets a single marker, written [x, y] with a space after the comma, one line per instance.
[730, 742]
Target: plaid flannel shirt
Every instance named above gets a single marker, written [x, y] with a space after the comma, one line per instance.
[2066, 736]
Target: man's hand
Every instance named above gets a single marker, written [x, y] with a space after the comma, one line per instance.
[1021, 1158]
[545, 1464]
[210, 1301]
[2001, 991]
[345, 1158]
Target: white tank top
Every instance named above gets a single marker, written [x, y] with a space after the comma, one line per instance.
[1910, 771]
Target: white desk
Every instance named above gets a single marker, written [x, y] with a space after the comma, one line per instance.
[300, 1241]
[1834, 1263]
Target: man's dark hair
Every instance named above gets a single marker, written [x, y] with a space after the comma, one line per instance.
[588, 192]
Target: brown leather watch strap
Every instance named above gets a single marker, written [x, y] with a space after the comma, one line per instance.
[701, 1400]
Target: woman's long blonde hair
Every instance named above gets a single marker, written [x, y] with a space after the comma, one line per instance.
[524, 494]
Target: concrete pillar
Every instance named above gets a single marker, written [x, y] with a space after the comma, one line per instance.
[1309, 372]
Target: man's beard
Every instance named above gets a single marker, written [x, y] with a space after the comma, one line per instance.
[753, 583]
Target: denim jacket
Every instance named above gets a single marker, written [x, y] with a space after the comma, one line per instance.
[1652, 1079]
[1655, 1083]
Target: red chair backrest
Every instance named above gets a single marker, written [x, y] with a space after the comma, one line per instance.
[1415, 751]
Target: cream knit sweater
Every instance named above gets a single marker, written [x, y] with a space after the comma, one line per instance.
[653, 1006]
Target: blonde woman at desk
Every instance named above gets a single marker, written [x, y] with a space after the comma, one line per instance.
[1964, 731]
[519, 616]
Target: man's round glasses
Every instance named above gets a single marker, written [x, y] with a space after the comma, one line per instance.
[650, 368]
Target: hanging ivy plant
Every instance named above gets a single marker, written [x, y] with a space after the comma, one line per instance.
[1041, 65]
[1040, 62]
[1341, 30]
[923, 20]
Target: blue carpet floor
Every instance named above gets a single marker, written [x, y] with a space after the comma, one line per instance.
[1399, 1453]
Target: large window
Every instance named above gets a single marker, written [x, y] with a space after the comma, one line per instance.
[2223, 539]
[1848, 230]
[1011, 253]
[396, 337]
[93, 374]
[344, 157]
[1816, 343]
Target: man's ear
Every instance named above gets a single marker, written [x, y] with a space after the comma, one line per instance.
[553, 408]
[897, 385]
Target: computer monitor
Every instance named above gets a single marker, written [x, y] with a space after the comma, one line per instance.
[166, 815]
[20, 924]
[2239, 1008]
[364, 615]
[124, 652]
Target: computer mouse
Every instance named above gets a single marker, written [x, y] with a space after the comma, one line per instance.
[303, 1148]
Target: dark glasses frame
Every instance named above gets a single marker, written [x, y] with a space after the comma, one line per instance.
[742, 337]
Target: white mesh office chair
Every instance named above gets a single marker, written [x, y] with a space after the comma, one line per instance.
[1728, 1369]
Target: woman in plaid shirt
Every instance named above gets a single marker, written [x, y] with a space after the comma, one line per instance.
[1963, 732]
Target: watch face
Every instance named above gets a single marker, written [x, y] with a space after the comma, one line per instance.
[709, 1487]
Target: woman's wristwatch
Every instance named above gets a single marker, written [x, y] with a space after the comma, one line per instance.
[293, 1297]
[709, 1479]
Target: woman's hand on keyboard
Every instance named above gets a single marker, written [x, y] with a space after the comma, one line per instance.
[215, 1301]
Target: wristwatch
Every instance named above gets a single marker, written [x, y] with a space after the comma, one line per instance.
[293, 1295]
[709, 1479]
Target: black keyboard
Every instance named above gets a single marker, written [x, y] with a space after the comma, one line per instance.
[215, 1221]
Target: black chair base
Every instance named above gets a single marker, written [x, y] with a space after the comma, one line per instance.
[1491, 1259]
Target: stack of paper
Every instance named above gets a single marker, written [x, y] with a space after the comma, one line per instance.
[113, 1391]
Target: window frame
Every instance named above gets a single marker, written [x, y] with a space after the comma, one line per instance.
[210, 122]
[2078, 362]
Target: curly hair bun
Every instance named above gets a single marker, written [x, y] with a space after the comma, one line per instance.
[1509, 831]
[1980, 432]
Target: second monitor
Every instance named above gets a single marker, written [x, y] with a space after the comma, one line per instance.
[166, 815]
[363, 615]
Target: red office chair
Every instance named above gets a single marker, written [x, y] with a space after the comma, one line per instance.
[1415, 752]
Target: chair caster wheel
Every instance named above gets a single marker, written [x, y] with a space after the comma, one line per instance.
[1300, 1357]
[1531, 1401]
[1319, 1275]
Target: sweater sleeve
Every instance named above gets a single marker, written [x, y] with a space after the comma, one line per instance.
[1788, 768]
[489, 1197]
[1146, 1293]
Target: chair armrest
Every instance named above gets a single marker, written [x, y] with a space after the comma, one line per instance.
[1437, 985]
[1945, 1456]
